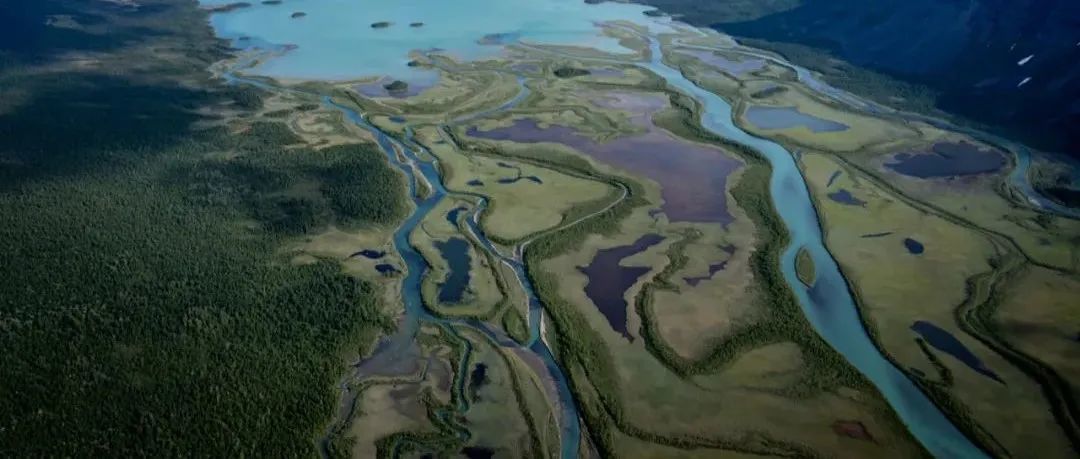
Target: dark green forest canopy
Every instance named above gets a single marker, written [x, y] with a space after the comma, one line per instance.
[142, 313]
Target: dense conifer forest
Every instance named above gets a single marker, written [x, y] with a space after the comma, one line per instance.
[146, 306]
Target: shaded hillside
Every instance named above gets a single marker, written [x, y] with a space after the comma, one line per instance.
[967, 51]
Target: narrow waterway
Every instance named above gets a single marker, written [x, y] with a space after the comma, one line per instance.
[395, 347]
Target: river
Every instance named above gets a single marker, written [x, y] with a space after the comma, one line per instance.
[828, 305]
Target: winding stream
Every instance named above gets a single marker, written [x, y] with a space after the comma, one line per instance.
[396, 346]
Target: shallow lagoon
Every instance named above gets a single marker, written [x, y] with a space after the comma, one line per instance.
[790, 117]
[335, 41]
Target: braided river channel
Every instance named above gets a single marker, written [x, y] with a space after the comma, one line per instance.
[333, 42]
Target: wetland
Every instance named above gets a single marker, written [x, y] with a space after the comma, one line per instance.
[552, 251]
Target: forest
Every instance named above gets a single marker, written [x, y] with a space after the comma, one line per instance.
[145, 308]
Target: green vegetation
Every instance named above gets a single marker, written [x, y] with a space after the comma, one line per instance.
[569, 72]
[381, 24]
[804, 267]
[397, 86]
[142, 313]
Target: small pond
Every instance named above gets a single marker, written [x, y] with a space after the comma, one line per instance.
[369, 253]
[790, 117]
[452, 216]
[845, 197]
[456, 253]
[946, 159]
[386, 269]
[913, 246]
[945, 342]
[609, 280]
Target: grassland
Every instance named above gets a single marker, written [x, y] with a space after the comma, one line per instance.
[1037, 314]
[804, 267]
[955, 254]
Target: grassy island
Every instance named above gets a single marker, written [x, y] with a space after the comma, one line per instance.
[804, 267]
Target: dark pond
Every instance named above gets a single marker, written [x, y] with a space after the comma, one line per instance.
[475, 182]
[692, 177]
[477, 452]
[845, 197]
[913, 246]
[397, 119]
[945, 342]
[531, 178]
[456, 253]
[386, 269]
[832, 178]
[790, 117]
[872, 235]
[452, 215]
[609, 281]
[947, 159]
[369, 253]
[477, 378]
